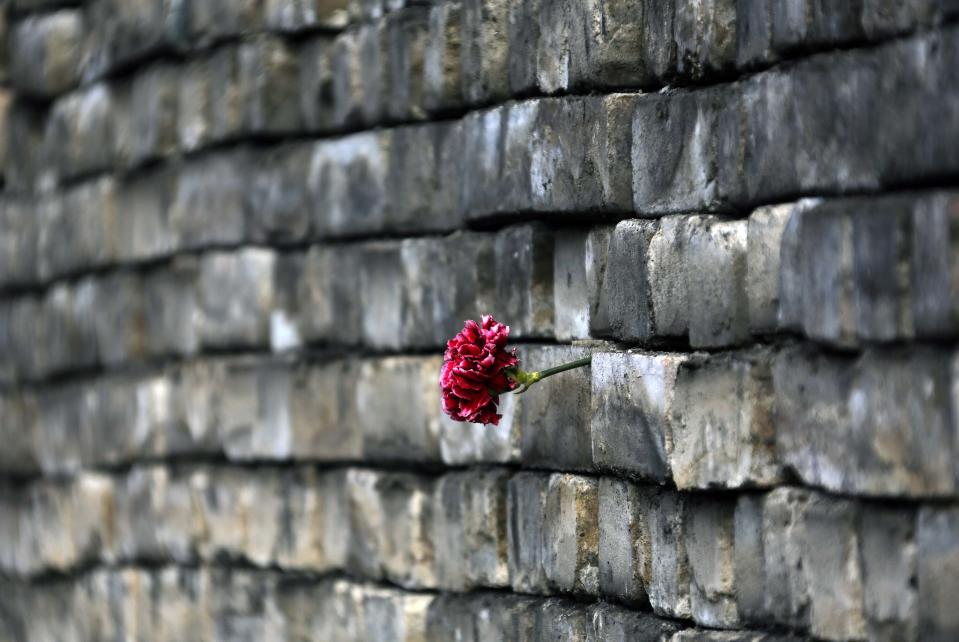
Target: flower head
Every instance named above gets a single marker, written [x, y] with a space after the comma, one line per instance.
[475, 371]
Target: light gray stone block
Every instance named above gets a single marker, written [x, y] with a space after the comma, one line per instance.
[620, 527]
[936, 540]
[442, 66]
[633, 396]
[723, 428]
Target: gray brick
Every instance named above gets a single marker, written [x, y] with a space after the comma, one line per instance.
[155, 95]
[888, 550]
[749, 557]
[524, 280]
[723, 432]
[228, 88]
[70, 329]
[554, 422]
[268, 72]
[20, 243]
[877, 401]
[632, 412]
[710, 545]
[705, 34]
[329, 310]
[526, 531]
[597, 262]
[314, 532]
[123, 32]
[241, 514]
[18, 430]
[716, 283]
[236, 297]
[936, 540]
[323, 413]
[208, 205]
[348, 180]
[934, 226]
[785, 596]
[119, 320]
[254, 410]
[626, 281]
[403, 425]
[563, 621]
[553, 46]
[571, 290]
[406, 42]
[485, 50]
[606, 49]
[572, 523]
[669, 274]
[316, 83]
[620, 527]
[676, 149]
[145, 232]
[614, 623]
[306, 14]
[280, 198]
[46, 53]
[662, 553]
[764, 265]
[442, 80]
[195, 105]
[831, 563]
[79, 136]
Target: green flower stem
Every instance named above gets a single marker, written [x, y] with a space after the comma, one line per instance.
[527, 379]
[549, 372]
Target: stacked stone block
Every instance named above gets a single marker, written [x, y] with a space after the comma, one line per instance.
[236, 235]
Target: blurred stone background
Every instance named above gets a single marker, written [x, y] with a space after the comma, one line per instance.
[236, 234]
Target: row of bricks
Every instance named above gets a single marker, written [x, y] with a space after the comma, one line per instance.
[881, 424]
[844, 272]
[771, 136]
[53, 49]
[469, 52]
[219, 604]
[839, 569]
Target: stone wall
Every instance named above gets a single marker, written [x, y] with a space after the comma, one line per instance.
[236, 234]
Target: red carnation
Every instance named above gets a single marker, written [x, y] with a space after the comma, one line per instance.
[475, 371]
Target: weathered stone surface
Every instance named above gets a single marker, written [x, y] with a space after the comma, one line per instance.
[154, 99]
[613, 623]
[403, 425]
[323, 412]
[442, 79]
[79, 135]
[722, 429]
[888, 548]
[633, 396]
[676, 150]
[297, 15]
[710, 546]
[785, 593]
[571, 290]
[766, 267]
[268, 73]
[572, 524]
[484, 51]
[391, 526]
[329, 310]
[705, 35]
[662, 551]
[716, 278]
[626, 281]
[526, 531]
[235, 297]
[880, 400]
[315, 61]
[554, 424]
[524, 280]
[347, 178]
[936, 576]
[470, 529]
[406, 43]
[46, 53]
[620, 527]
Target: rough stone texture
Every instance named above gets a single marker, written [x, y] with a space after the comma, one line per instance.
[235, 236]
